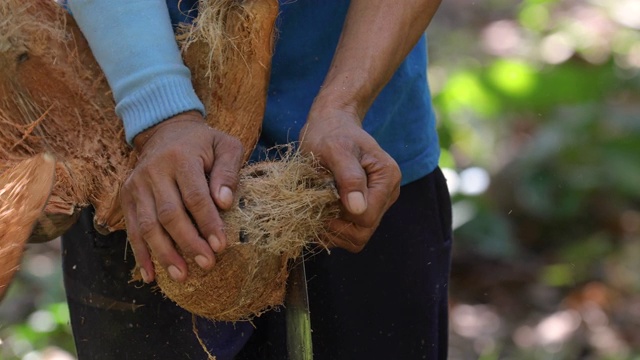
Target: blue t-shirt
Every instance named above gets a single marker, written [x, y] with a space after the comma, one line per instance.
[401, 119]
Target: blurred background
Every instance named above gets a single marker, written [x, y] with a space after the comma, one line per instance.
[539, 109]
[539, 116]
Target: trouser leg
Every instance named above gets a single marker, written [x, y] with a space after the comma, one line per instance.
[388, 302]
[112, 318]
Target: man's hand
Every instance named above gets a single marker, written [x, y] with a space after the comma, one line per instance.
[367, 178]
[376, 37]
[185, 172]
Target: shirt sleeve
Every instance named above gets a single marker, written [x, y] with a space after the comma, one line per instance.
[134, 43]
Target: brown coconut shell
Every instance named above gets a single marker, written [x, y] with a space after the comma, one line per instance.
[24, 190]
[280, 207]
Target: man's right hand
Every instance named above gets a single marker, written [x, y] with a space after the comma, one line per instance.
[185, 172]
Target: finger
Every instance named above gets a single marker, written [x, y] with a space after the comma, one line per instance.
[226, 167]
[383, 190]
[177, 223]
[351, 179]
[333, 241]
[197, 199]
[379, 201]
[140, 250]
[159, 242]
[347, 235]
[384, 176]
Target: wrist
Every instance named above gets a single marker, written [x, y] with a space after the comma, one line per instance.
[344, 93]
[144, 136]
[328, 107]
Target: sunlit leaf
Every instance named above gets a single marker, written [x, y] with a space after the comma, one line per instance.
[514, 78]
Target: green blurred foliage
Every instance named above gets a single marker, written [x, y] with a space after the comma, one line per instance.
[554, 133]
[545, 97]
[34, 317]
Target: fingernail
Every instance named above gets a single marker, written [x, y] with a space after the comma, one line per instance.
[356, 202]
[225, 195]
[145, 276]
[174, 272]
[215, 243]
[203, 261]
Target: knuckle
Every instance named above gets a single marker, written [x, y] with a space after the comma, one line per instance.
[212, 225]
[185, 165]
[229, 143]
[196, 199]
[163, 258]
[350, 179]
[189, 247]
[387, 164]
[356, 248]
[391, 167]
[227, 175]
[147, 228]
[353, 244]
[172, 152]
[360, 241]
[168, 212]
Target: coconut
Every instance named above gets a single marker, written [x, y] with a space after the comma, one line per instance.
[280, 208]
[54, 99]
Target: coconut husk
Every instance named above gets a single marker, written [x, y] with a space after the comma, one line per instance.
[54, 99]
[280, 208]
[228, 50]
[52, 96]
[24, 190]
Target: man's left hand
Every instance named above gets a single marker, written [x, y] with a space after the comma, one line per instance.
[367, 178]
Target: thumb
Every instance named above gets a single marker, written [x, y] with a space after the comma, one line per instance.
[355, 202]
[224, 173]
[351, 180]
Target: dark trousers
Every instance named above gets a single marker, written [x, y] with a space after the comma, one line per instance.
[387, 302]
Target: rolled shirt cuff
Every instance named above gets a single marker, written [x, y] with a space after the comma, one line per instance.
[155, 102]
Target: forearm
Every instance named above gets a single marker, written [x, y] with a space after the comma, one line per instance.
[376, 38]
[134, 43]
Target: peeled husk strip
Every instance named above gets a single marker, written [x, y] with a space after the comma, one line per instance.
[24, 190]
[228, 50]
[54, 99]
